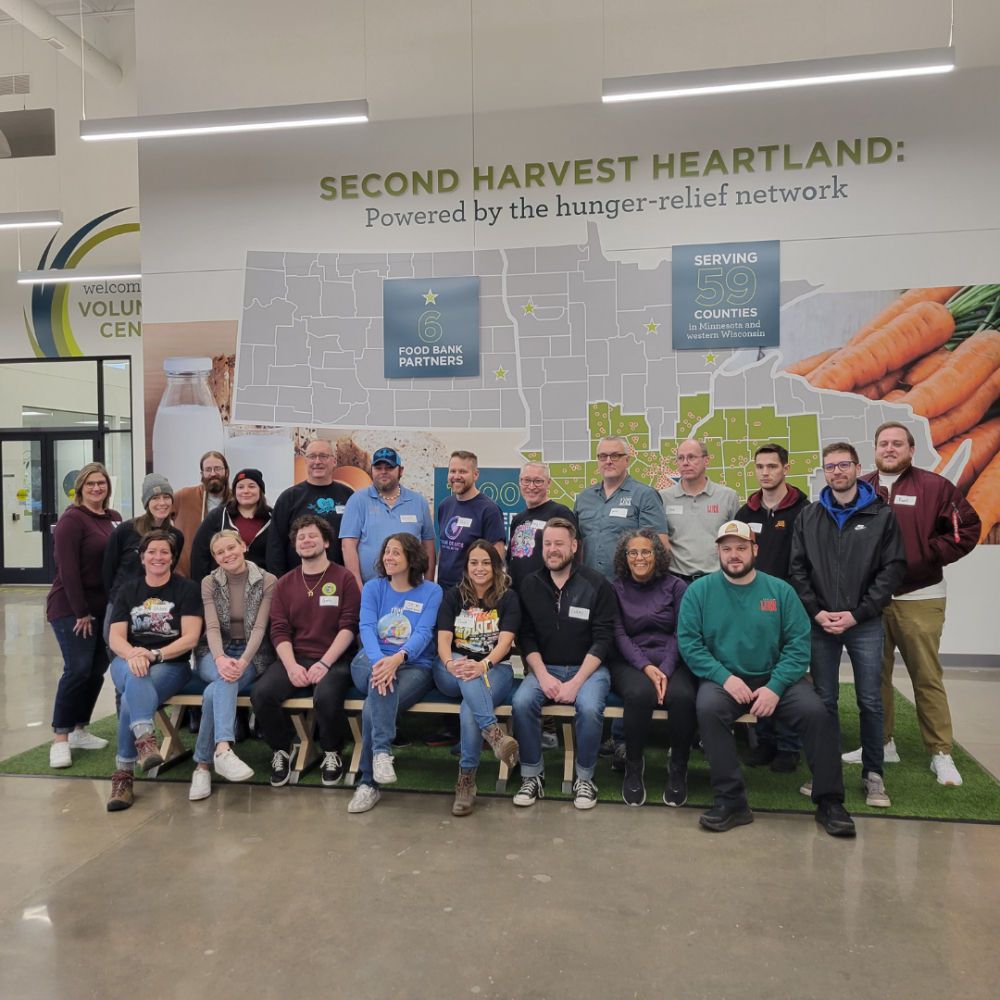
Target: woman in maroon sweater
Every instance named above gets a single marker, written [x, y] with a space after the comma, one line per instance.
[76, 600]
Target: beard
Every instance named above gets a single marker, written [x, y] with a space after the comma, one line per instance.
[559, 567]
[901, 465]
[213, 485]
[748, 568]
[389, 487]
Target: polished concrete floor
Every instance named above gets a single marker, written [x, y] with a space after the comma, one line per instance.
[263, 893]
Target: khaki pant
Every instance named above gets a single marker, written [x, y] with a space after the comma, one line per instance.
[915, 628]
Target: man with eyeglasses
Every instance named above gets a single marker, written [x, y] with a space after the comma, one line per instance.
[524, 556]
[847, 561]
[696, 508]
[193, 503]
[318, 494]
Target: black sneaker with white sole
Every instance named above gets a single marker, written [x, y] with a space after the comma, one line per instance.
[332, 768]
[584, 794]
[676, 792]
[618, 761]
[281, 768]
[531, 789]
[633, 789]
[607, 748]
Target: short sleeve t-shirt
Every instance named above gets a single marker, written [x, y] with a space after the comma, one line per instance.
[154, 614]
[477, 628]
[461, 522]
[524, 554]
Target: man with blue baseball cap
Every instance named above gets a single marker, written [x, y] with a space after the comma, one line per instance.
[383, 509]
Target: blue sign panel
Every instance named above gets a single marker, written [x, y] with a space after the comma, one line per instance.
[500, 485]
[431, 327]
[726, 295]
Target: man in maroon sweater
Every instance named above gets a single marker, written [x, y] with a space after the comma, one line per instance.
[939, 527]
[314, 625]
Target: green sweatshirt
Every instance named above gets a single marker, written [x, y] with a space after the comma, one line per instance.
[751, 630]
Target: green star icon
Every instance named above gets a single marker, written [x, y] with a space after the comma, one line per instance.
[431, 297]
[529, 308]
[501, 373]
[710, 358]
[652, 327]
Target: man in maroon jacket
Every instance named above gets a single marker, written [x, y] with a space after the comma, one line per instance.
[939, 527]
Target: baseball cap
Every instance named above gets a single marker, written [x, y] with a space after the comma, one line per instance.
[739, 528]
[387, 455]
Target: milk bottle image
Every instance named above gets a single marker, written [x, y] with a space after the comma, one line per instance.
[268, 449]
[188, 422]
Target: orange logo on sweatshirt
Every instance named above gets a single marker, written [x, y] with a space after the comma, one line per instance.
[766, 605]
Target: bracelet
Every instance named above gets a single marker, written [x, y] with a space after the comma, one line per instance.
[325, 664]
[448, 663]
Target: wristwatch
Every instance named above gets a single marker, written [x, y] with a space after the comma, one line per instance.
[158, 653]
[405, 655]
[489, 666]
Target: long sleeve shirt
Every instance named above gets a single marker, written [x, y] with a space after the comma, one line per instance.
[328, 502]
[646, 625]
[80, 538]
[393, 620]
[237, 610]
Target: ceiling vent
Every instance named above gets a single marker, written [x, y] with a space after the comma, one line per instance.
[16, 83]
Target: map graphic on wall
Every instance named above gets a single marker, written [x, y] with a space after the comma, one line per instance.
[576, 345]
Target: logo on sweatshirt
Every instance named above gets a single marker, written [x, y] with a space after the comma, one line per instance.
[711, 508]
[779, 524]
[766, 605]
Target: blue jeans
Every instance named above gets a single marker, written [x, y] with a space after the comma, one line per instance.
[142, 696]
[378, 717]
[218, 707]
[85, 662]
[528, 701]
[864, 644]
[478, 702]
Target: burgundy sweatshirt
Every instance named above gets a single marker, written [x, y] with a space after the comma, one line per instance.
[311, 624]
[81, 537]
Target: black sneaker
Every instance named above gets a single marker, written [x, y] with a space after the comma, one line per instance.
[584, 794]
[241, 727]
[607, 748]
[835, 819]
[762, 754]
[676, 792]
[281, 768]
[446, 736]
[785, 761]
[399, 741]
[618, 761]
[530, 790]
[331, 770]
[633, 790]
[719, 819]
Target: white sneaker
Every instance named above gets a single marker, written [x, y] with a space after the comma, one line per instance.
[549, 741]
[201, 784]
[889, 754]
[806, 789]
[382, 770]
[80, 739]
[941, 764]
[364, 798]
[875, 791]
[60, 755]
[231, 767]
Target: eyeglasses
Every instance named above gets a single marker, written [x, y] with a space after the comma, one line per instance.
[323, 455]
[640, 553]
[614, 456]
[682, 459]
[843, 466]
[533, 482]
[209, 469]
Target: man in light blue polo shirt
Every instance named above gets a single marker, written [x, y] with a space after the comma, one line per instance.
[383, 509]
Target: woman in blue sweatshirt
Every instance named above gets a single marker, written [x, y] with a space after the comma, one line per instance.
[399, 610]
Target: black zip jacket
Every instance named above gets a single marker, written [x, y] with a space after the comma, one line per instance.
[774, 535]
[220, 519]
[856, 568]
[564, 628]
[121, 557]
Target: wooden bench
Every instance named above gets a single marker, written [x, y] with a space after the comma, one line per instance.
[304, 721]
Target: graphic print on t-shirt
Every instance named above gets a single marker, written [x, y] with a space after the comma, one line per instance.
[477, 631]
[326, 505]
[522, 543]
[394, 627]
[153, 618]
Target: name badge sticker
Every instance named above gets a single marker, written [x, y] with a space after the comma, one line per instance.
[619, 512]
[464, 522]
[413, 606]
[340, 508]
[675, 510]
[408, 518]
[327, 601]
[581, 613]
[907, 501]
[538, 525]
[756, 527]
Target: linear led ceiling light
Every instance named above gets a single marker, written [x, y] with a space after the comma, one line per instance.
[60, 276]
[30, 220]
[774, 76]
[214, 122]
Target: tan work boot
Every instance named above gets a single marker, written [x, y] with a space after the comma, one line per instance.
[149, 752]
[505, 747]
[465, 793]
[121, 791]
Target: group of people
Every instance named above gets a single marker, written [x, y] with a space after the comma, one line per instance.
[682, 599]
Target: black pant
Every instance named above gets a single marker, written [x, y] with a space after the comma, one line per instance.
[639, 695]
[799, 707]
[274, 687]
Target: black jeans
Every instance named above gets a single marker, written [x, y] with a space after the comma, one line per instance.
[639, 695]
[274, 687]
[85, 662]
[799, 707]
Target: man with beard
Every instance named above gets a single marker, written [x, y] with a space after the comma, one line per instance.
[385, 508]
[567, 634]
[746, 635]
[192, 503]
[939, 527]
[847, 561]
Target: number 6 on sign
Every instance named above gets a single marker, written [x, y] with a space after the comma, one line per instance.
[429, 329]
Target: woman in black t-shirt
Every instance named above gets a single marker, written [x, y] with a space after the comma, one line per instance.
[476, 624]
[155, 623]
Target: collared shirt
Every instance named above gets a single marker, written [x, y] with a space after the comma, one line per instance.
[369, 519]
[693, 522]
[602, 519]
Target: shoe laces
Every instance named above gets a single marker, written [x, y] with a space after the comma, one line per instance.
[584, 788]
[119, 781]
[531, 786]
[875, 784]
[466, 782]
[279, 761]
[331, 760]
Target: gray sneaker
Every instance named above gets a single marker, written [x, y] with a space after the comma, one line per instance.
[364, 798]
[875, 794]
[382, 769]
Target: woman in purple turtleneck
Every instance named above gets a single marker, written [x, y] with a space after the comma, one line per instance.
[649, 672]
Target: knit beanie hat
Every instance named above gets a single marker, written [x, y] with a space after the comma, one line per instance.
[155, 485]
[254, 475]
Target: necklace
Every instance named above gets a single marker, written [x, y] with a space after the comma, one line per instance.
[318, 582]
[395, 497]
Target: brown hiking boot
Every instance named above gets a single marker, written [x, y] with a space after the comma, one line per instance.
[121, 791]
[149, 752]
[505, 747]
[465, 793]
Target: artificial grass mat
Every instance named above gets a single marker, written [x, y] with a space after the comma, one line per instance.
[911, 785]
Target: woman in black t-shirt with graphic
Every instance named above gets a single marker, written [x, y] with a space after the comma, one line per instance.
[476, 624]
[155, 623]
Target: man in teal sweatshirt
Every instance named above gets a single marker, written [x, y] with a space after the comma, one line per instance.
[746, 636]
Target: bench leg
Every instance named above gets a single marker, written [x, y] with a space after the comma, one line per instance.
[570, 761]
[352, 770]
[504, 769]
[171, 750]
[305, 727]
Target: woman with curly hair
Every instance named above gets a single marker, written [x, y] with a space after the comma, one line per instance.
[649, 672]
